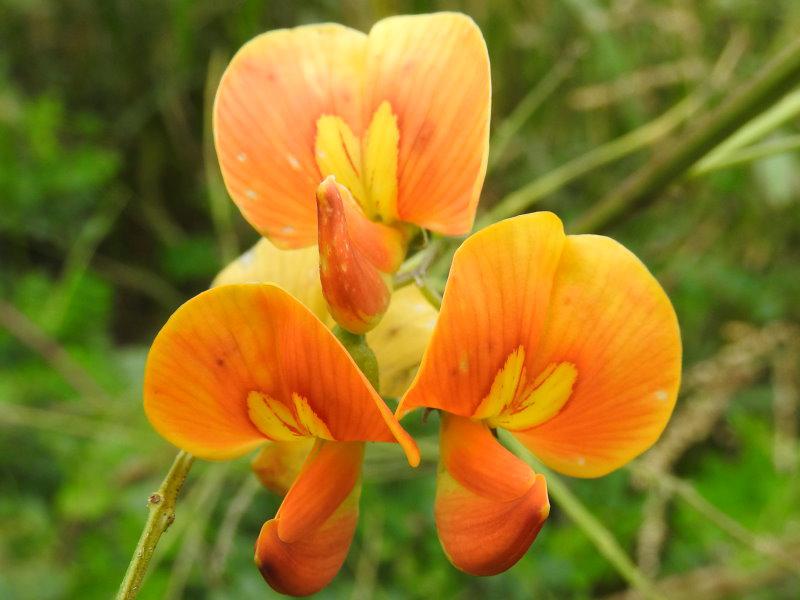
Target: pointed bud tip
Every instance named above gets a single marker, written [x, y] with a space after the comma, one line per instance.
[356, 291]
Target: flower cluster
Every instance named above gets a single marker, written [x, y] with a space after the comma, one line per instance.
[340, 147]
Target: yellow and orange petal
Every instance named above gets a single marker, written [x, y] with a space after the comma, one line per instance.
[278, 464]
[434, 72]
[568, 341]
[613, 321]
[417, 88]
[489, 504]
[398, 341]
[495, 301]
[235, 349]
[265, 116]
[302, 549]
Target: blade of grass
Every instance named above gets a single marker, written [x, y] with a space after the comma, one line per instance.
[523, 198]
[783, 145]
[641, 137]
[79, 256]
[785, 110]
[33, 337]
[777, 78]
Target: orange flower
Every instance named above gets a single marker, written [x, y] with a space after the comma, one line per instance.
[398, 341]
[230, 371]
[400, 119]
[569, 343]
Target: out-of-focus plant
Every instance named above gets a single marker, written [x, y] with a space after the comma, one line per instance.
[584, 94]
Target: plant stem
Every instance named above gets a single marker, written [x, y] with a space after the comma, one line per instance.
[360, 352]
[161, 505]
[789, 143]
[433, 297]
[601, 537]
[758, 128]
[418, 264]
[523, 198]
[775, 80]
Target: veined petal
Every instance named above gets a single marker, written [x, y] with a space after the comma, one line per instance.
[398, 341]
[601, 340]
[611, 319]
[489, 504]
[329, 474]
[233, 340]
[265, 122]
[302, 549]
[495, 302]
[434, 72]
[278, 464]
[294, 105]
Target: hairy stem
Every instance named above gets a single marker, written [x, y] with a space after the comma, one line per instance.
[161, 505]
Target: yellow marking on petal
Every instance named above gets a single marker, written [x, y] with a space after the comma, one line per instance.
[504, 387]
[338, 153]
[545, 401]
[367, 167]
[309, 419]
[272, 418]
[381, 143]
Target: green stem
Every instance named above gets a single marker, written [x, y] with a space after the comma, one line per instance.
[361, 353]
[601, 537]
[523, 198]
[418, 264]
[783, 145]
[785, 110]
[161, 505]
[767, 87]
[433, 297]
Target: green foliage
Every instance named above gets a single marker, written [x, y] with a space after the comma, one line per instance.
[106, 225]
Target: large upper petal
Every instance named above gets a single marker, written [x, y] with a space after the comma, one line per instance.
[265, 122]
[495, 300]
[611, 319]
[489, 504]
[232, 340]
[434, 71]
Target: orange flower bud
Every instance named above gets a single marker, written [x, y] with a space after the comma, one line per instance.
[357, 292]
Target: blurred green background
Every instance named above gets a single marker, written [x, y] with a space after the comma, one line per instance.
[112, 213]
